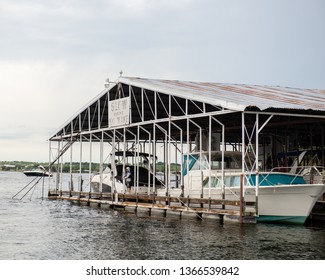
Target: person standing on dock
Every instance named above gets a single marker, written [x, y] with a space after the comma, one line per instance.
[127, 178]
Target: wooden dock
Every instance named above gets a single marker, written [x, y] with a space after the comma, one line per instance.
[229, 210]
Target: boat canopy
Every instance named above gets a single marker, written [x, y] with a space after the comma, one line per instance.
[133, 154]
[232, 160]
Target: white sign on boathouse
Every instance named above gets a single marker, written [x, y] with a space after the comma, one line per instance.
[119, 112]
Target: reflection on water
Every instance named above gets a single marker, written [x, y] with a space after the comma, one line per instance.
[44, 229]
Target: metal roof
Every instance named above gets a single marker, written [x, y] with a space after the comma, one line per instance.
[232, 97]
[236, 96]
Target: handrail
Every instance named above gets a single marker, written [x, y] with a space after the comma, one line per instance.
[301, 171]
[314, 170]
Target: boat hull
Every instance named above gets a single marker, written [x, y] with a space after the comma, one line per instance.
[119, 187]
[295, 220]
[37, 174]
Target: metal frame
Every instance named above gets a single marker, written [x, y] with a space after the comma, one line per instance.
[171, 119]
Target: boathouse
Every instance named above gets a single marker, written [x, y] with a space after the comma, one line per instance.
[176, 121]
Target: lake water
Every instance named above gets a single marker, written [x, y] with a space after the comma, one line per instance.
[40, 229]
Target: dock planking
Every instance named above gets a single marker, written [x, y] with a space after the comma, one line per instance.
[232, 209]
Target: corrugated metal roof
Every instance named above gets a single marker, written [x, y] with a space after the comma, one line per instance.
[236, 96]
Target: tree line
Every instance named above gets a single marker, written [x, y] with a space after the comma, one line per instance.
[75, 167]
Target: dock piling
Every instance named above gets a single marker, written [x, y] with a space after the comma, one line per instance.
[175, 204]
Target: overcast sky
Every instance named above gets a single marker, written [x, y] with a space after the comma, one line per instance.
[55, 55]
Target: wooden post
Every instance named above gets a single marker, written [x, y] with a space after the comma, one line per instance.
[241, 204]
[100, 198]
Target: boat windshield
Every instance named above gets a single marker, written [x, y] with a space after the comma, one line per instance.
[132, 158]
[232, 160]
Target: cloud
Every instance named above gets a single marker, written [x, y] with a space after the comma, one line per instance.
[39, 29]
[56, 55]
[25, 150]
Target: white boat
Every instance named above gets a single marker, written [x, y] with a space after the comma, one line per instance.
[112, 178]
[282, 196]
[38, 172]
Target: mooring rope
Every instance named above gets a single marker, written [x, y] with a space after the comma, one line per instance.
[30, 199]
[182, 203]
[33, 186]
[24, 187]
[60, 153]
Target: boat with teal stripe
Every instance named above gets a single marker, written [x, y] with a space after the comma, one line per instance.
[283, 197]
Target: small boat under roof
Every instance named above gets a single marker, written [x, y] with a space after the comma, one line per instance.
[113, 177]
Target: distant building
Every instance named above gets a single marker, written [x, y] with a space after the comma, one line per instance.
[7, 167]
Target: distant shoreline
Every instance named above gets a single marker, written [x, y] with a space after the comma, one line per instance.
[67, 166]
